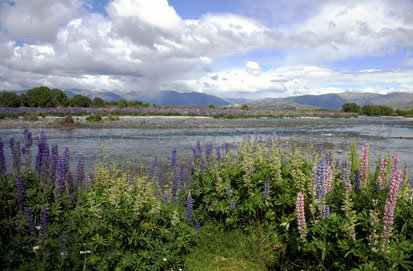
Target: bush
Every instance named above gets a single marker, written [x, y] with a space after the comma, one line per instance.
[94, 117]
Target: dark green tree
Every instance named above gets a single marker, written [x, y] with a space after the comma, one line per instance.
[244, 107]
[80, 101]
[211, 106]
[98, 102]
[122, 104]
[40, 97]
[350, 107]
[9, 99]
[59, 97]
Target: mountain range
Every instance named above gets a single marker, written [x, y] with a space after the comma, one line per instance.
[333, 101]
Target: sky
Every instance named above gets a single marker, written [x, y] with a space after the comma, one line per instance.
[229, 48]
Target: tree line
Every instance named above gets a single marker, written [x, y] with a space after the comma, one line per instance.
[46, 97]
[374, 110]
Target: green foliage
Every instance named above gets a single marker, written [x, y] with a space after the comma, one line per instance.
[350, 107]
[94, 117]
[211, 106]
[80, 101]
[98, 102]
[244, 107]
[123, 104]
[45, 97]
[376, 110]
[9, 99]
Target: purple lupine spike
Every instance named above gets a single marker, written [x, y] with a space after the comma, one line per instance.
[20, 192]
[64, 242]
[326, 211]
[66, 159]
[30, 220]
[153, 167]
[357, 186]
[266, 190]
[208, 151]
[43, 222]
[3, 170]
[165, 196]
[80, 171]
[218, 153]
[197, 224]
[69, 181]
[173, 159]
[252, 169]
[189, 208]
[176, 184]
[228, 190]
[233, 204]
[54, 160]
[45, 160]
[61, 187]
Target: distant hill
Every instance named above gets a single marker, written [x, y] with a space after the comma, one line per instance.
[334, 101]
[173, 98]
[276, 103]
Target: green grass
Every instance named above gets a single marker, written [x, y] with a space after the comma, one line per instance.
[219, 249]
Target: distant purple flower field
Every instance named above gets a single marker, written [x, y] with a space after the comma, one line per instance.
[217, 113]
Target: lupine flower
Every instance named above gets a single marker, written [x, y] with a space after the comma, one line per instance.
[389, 210]
[252, 169]
[153, 167]
[176, 184]
[266, 190]
[2, 159]
[43, 222]
[80, 171]
[66, 159]
[166, 196]
[54, 161]
[394, 161]
[63, 243]
[302, 226]
[30, 220]
[198, 146]
[61, 186]
[383, 173]
[189, 207]
[173, 159]
[197, 224]
[69, 181]
[218, 153]
[233, 204]
[326, 211]
[357, 187]
[228, 190]
[364, 167]
[208, 151]
[20, 192]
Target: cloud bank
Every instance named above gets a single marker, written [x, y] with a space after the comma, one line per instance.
[140, 45]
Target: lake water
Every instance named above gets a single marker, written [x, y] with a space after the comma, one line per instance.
[141, 145]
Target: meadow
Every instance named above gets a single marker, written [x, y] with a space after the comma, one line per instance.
[265, 206]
